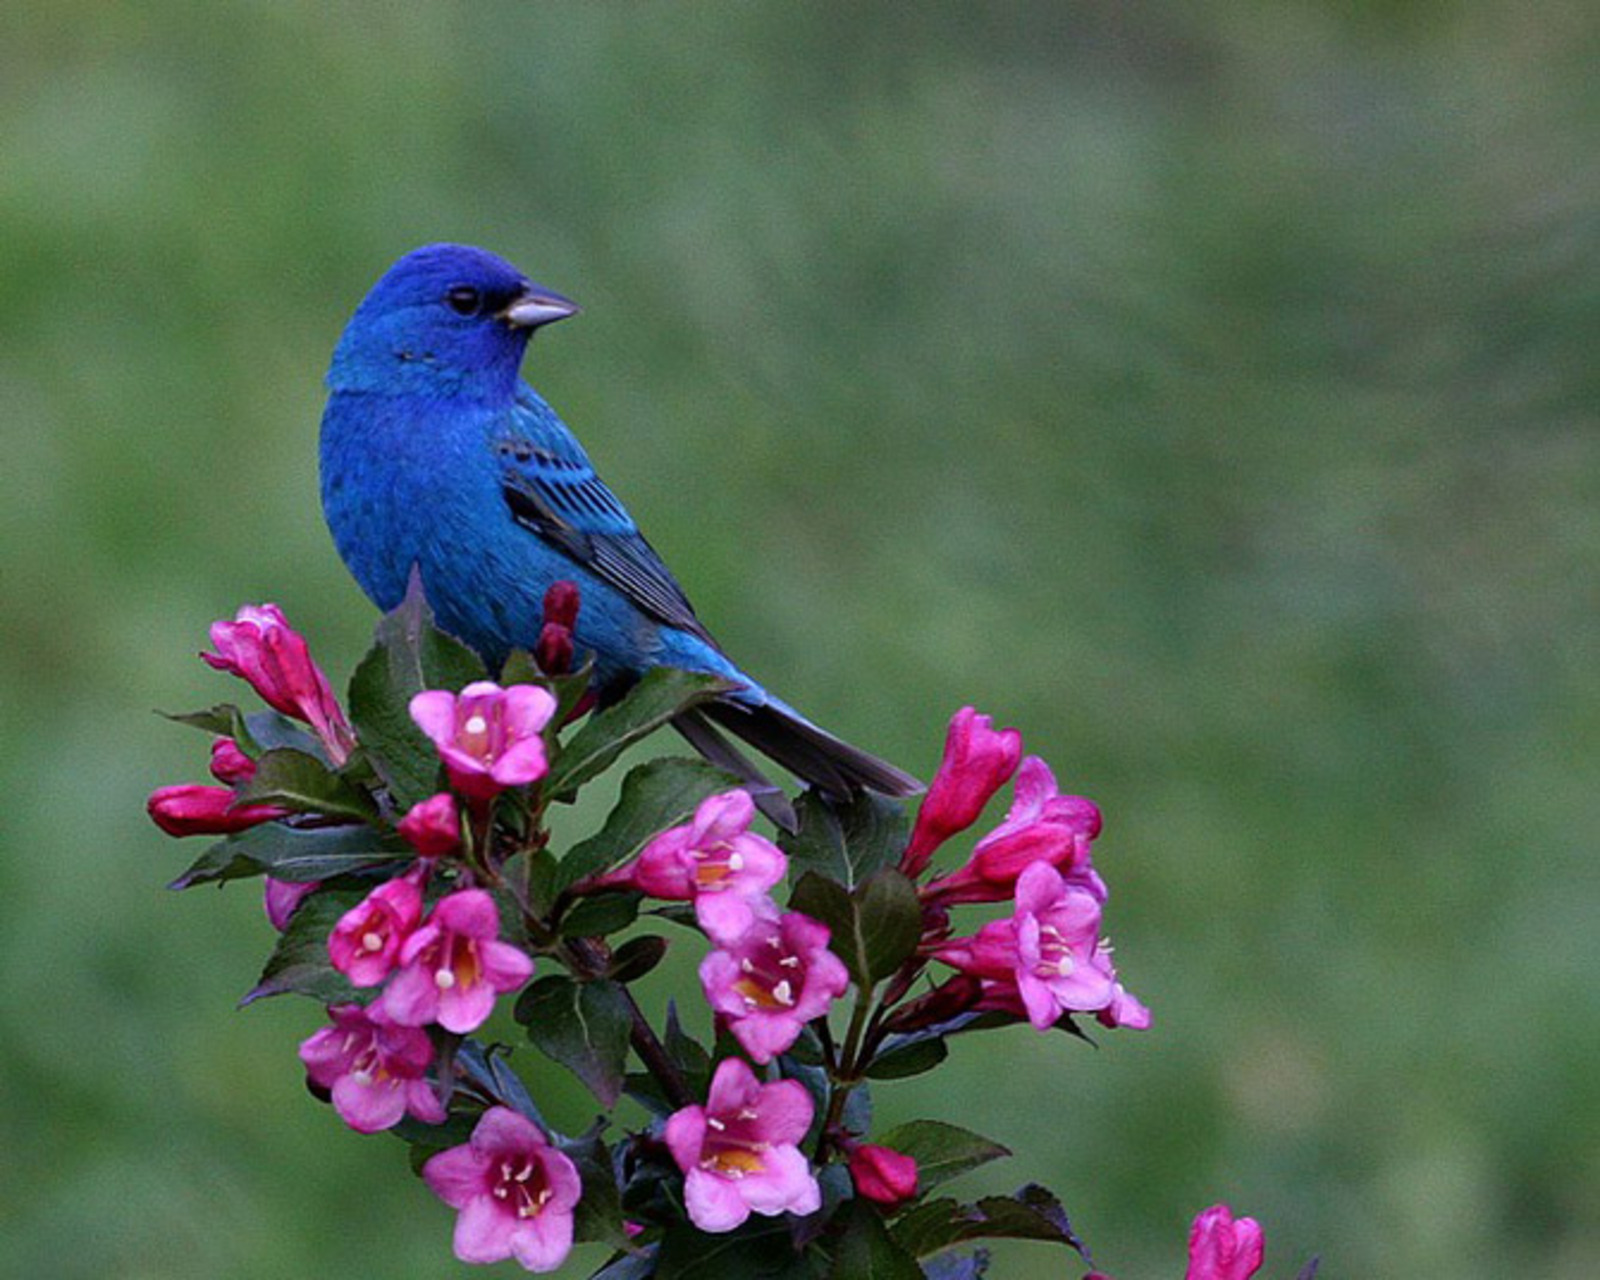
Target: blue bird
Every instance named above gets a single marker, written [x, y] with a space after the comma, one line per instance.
[436, 455]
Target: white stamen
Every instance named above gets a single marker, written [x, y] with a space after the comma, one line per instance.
[475, 724]
[746, 966]
[789, 962]
[362, 1078]
[501, 1192]
[713, 1123]
[735, 862]
[372, 941]
[750, 1113]
[783, 993]
[444, 979]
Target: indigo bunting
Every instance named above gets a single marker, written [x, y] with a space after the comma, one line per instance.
[437, 457]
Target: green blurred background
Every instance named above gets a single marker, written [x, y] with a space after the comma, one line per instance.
[1207, 389]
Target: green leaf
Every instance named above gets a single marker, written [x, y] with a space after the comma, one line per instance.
[601, 914]
[865, 1250]
[662, 693]
[656, 795]
[599, 1211]
[299, 963]
[292, 853]
[874, 929]
[942, 1151]
[583, 1026]
[637, 957]
[302, 783]
[224, 720]
[686, 1053]
[409, 654]
[845, 840]
[910, 1059]
[759, 1250]
[1032, 1214]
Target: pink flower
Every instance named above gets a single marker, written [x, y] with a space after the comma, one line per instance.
[365, 944]
[515, 1193]
[453, 967]
[1223, 1248]
[739, 1152]
[978, 761]
[433, 827]
[716, 860]
[553, 651]
[197, 809]
[883, 1175]
[1125, 1009]
[1041, 826]
[373, 1068]
[261, 647]
[230, 765]
[773, 979]
[488, 737]
[1046, 957]
[281, 897]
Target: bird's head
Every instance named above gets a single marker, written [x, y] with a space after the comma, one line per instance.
[444, 318]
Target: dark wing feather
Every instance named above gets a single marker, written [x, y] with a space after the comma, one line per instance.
[564, 502]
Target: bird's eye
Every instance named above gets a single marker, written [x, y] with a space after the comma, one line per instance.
[464, 300]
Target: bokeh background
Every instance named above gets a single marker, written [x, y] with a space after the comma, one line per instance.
[1207, 389]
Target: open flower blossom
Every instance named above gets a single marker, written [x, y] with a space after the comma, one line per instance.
[433, 826]
[1125, 1009]
[740, 1153]
[1045, 959]
[514, 1191]
[715, 860]
[1042, 825]
[772, 979]
[978, 761]
[373, 1069]
[199, 809]
[280, 898]
[488, 737]
[452, 968]
[1222, 1247]
[260, 647]
[365, 944]
[883, 1175]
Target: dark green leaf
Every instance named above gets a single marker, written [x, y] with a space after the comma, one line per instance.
[845, 840]
[661, 694]
[583, 1026]
[599, 1212]
[864, 1249]
[687, 1053]
[1032, 1214]
[304, 784]
[873, 930]
[409, 654]
[292, 853]
[601, 913]
[958, 1266]
[637, 1265]
[265, 730]
[759, 1250]
[656, 795]
[225, 720]
[299, 963]
[942, 1151]
[637, 957]
[910, 1059]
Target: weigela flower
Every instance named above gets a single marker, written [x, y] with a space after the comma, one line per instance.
[1042, 825]
[1125, 1009]
[452, 968]
[978, 761]
[883, 1175]
[1222, 1247]
[373, 1069]
[261, 647]
[714, 860]
[433, 826]
[553, 650]
[229, 764]
[739, 1153]
[1047, 954]
[280, 898]
[772, 979]
[515, 1193]
[365, 944]
[488, 737]
[199, 809]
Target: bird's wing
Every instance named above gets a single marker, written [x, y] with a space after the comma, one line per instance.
[553, 492]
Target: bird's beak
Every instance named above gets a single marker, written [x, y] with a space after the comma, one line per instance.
[538, 306]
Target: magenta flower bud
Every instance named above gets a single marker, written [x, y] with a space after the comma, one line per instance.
[882, 1174]
[740, 1152]
[488, 737]
[373, 1068]
[365, 944]
[197, 809]
[515, 1193]
[978, 761]
[952, 997]
[260, 647]
[433, 827]
[773, 979]
[554, 649]
[1222, 1247]
[281, 897]
[452, 968]
[230, 765]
